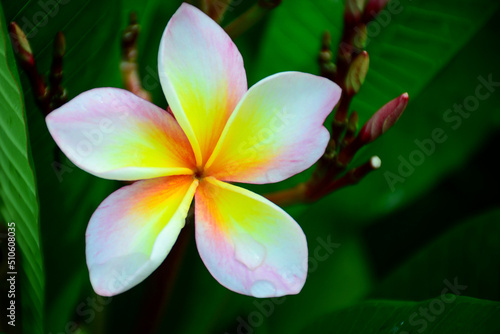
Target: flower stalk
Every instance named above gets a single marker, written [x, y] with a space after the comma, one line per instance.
[58, 94]
[352, 177]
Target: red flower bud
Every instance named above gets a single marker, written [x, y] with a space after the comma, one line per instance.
[383, 119]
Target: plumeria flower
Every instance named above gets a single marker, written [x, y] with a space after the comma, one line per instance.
[218, 132]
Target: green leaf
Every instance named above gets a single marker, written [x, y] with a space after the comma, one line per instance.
[463, 254]
[441, 315]
[292, 38]
[18, 193]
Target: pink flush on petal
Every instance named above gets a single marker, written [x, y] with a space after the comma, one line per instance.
[220, 133]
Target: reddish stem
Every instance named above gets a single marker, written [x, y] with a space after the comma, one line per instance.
[162, 282]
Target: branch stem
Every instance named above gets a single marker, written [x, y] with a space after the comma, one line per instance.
[249, 18]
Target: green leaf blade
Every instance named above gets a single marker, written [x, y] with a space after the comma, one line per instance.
[18, 192]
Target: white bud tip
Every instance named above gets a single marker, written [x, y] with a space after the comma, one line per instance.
[375, 162]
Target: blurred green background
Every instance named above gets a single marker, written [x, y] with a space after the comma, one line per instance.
[398, 245]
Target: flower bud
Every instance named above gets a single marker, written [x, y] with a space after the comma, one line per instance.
[354, 10]
[325, 58]
[383, 119]
[21, 45]
[357, 73]
[59, 45]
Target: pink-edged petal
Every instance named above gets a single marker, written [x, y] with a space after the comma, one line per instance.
[202, 75]
[249, 244]
[133, 230]
[114, 134]
[276, 131]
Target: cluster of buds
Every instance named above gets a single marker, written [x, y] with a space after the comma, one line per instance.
[47, 96]
[349, 72]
